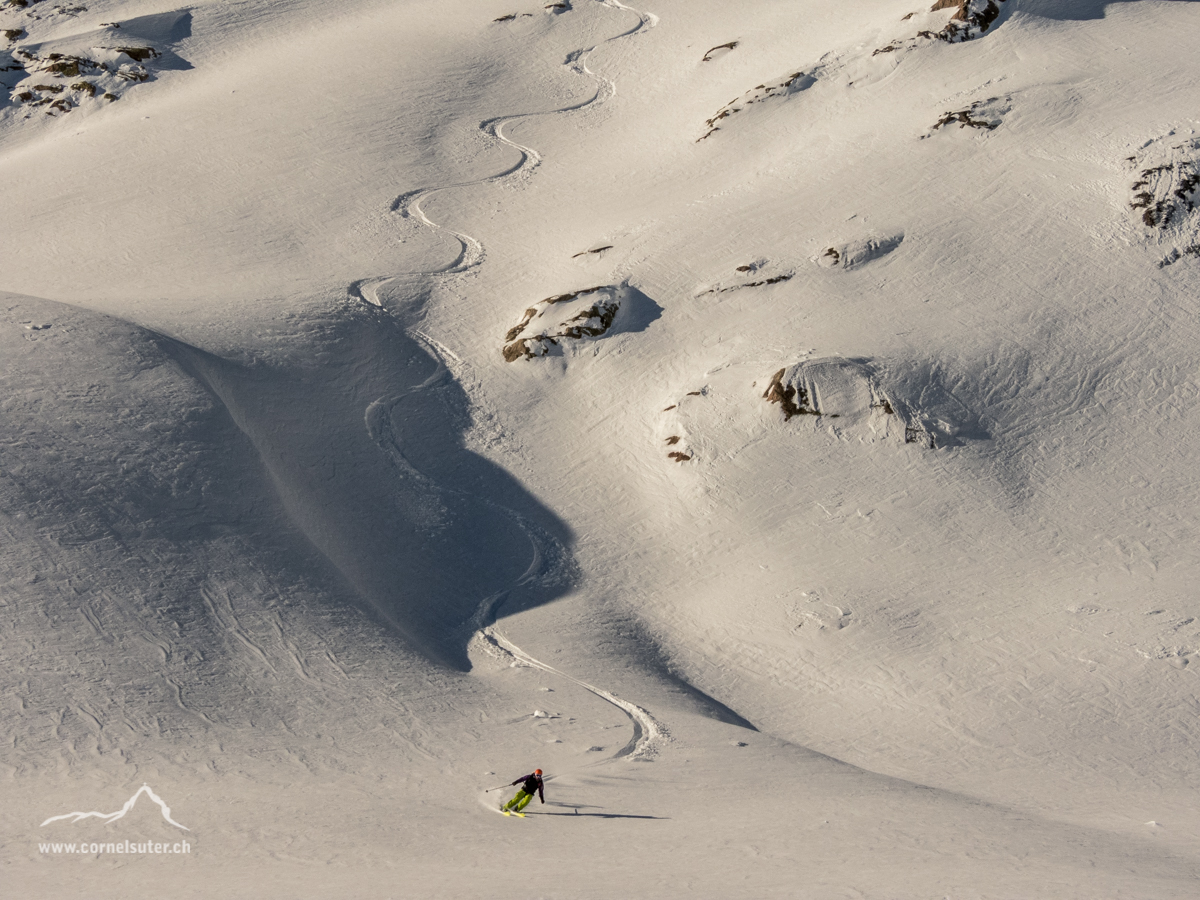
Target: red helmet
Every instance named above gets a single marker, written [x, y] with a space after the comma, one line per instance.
[537, 771]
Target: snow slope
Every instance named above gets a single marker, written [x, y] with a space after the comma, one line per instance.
[399, 396]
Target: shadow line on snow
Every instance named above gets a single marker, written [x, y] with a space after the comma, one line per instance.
[598, 815]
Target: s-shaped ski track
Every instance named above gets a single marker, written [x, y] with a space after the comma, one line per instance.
[648, 733]
[471, 251]
[547, 556]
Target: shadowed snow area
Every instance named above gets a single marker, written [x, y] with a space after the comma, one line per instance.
[365, 451]
[358, 439]
[398, 396]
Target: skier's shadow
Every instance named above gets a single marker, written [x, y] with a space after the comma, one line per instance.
[594, 815]
[579, 815]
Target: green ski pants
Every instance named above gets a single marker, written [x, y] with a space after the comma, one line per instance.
[519, 802]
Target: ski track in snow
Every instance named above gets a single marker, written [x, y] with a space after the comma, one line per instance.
[471, 251]
[648, 734]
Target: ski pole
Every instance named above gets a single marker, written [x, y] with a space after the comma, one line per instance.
[497, 787]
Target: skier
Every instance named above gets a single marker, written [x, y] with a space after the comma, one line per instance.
[529, 784]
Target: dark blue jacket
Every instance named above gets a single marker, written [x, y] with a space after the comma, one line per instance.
[533, 782]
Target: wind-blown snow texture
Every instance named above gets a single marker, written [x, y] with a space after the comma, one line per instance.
[399, 396]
